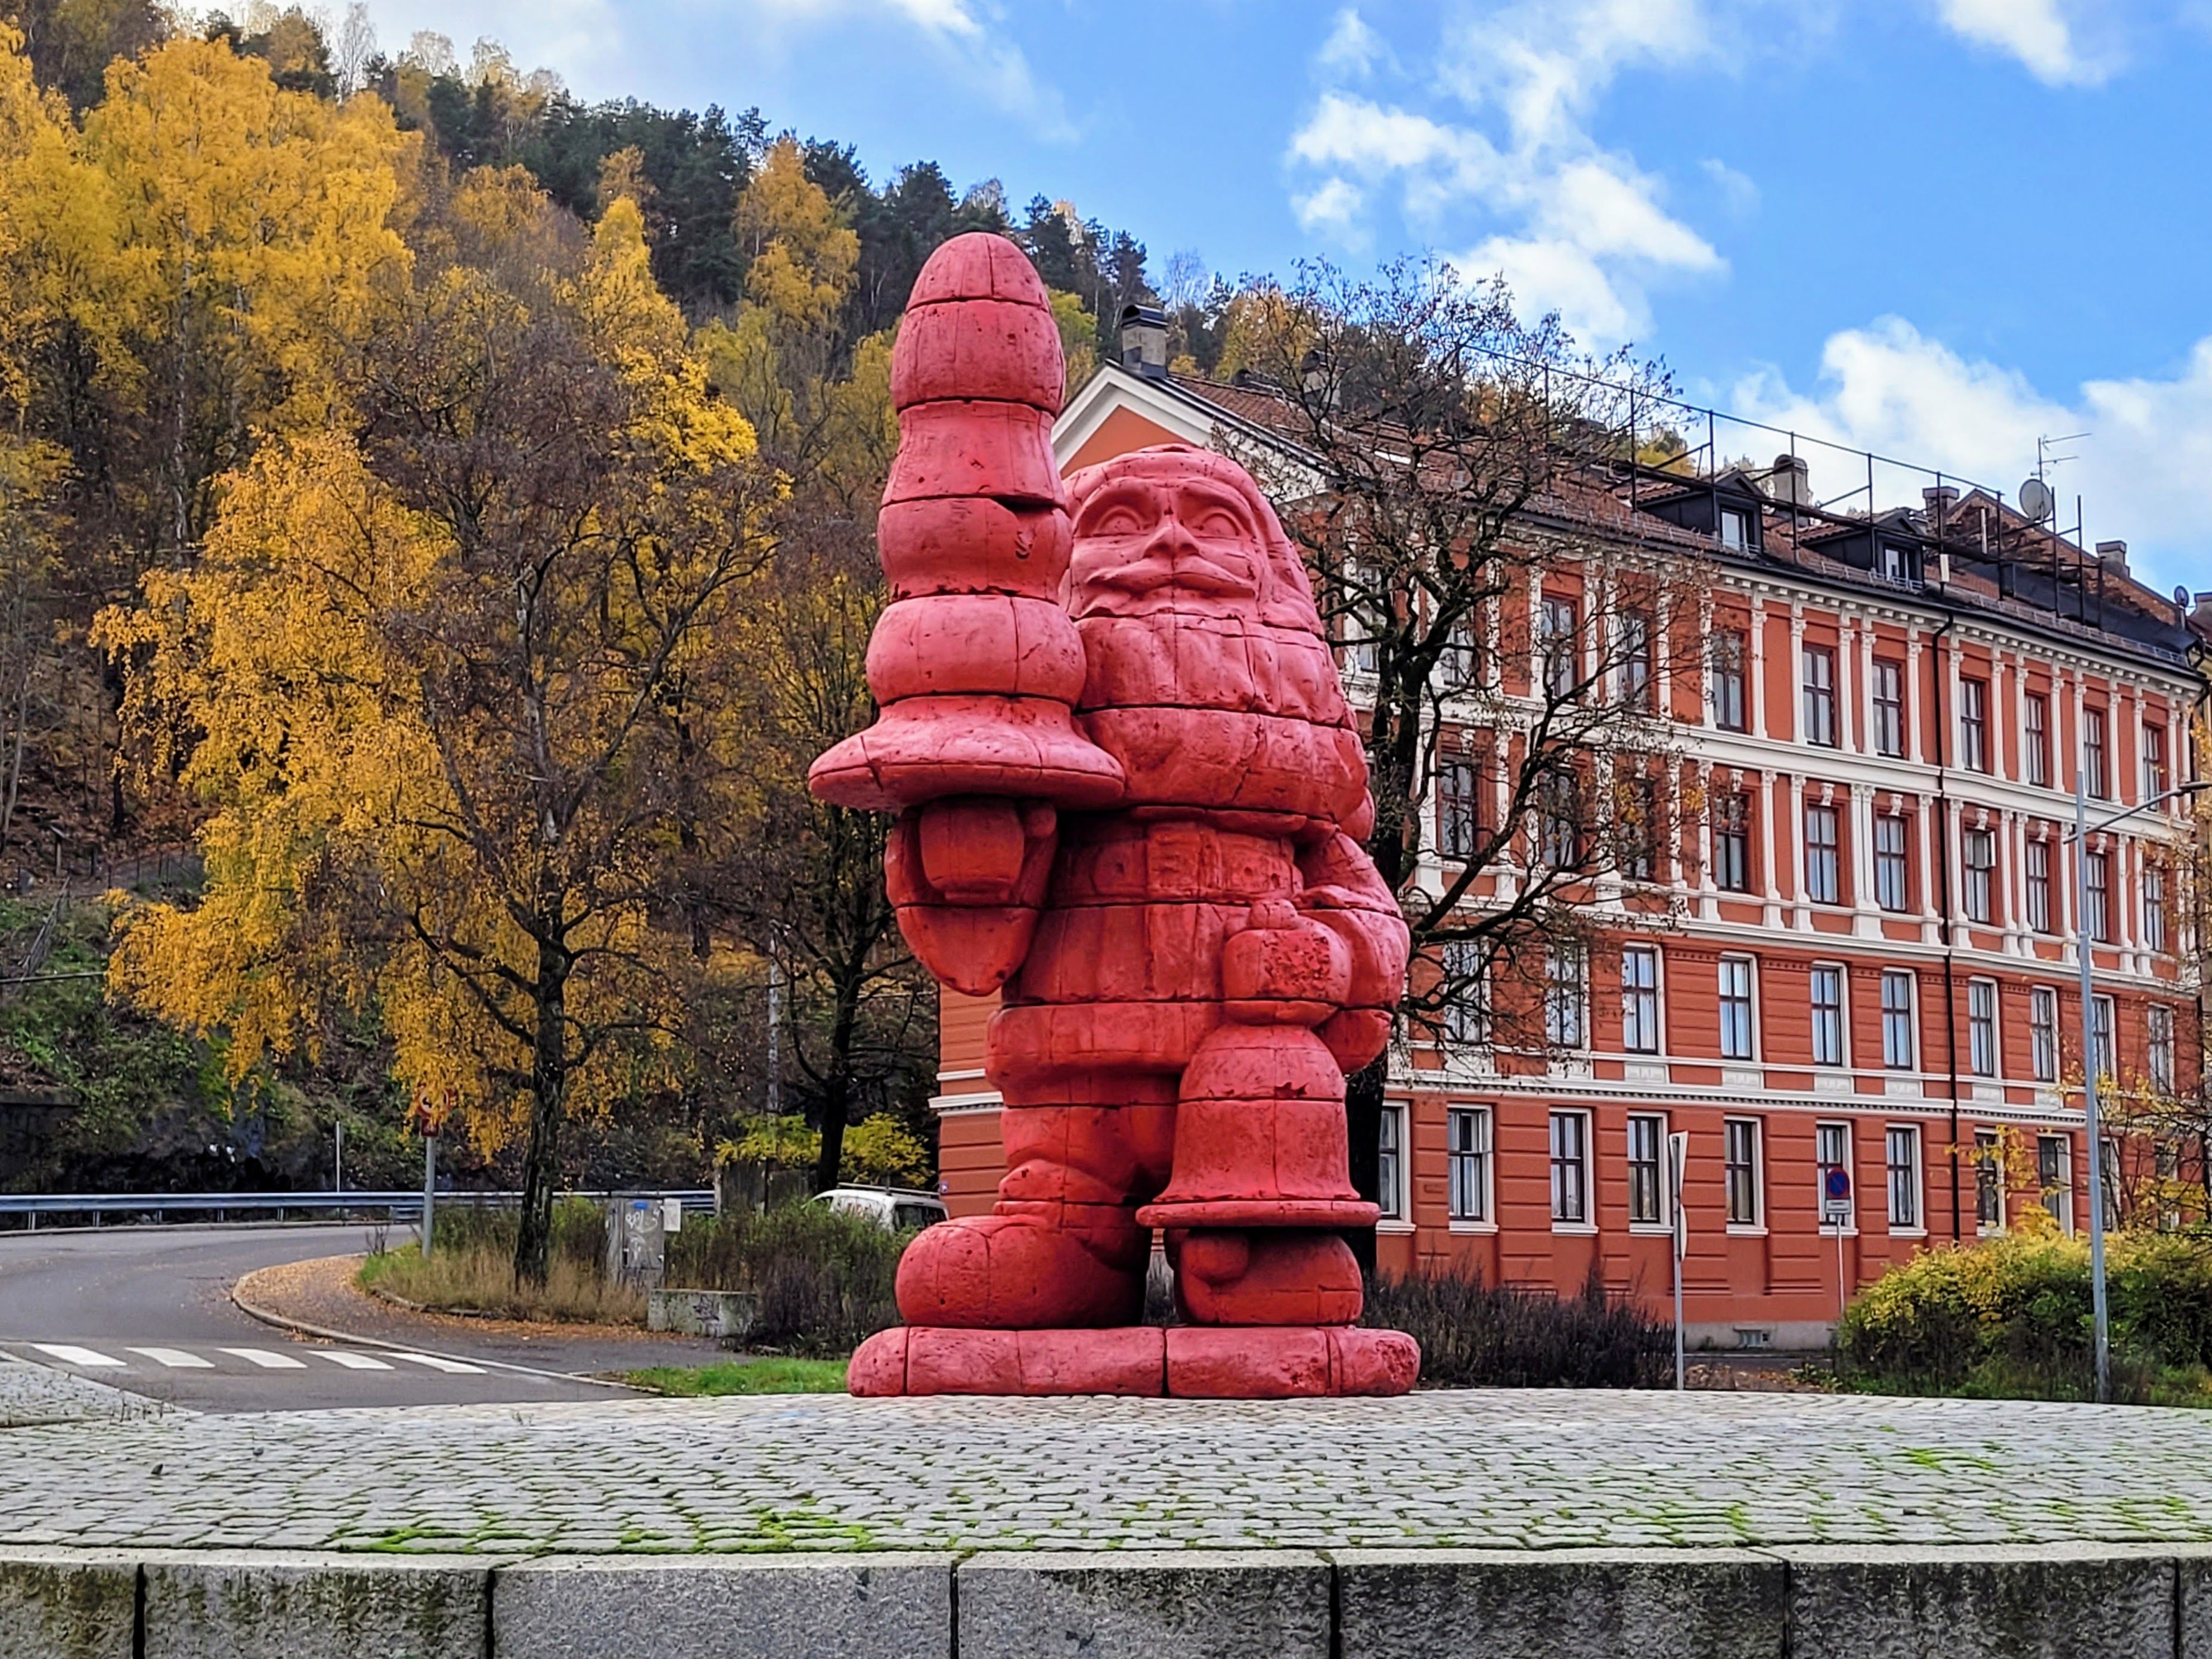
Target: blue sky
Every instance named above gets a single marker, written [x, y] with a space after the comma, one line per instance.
[1938, 228]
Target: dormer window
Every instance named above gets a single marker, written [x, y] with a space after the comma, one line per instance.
[1901, 561]
[1735, 529]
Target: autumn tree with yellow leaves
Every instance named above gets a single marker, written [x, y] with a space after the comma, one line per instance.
[439, 673]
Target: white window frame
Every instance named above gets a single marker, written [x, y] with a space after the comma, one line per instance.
[1824, 877]
[2097, 891]
[1905, 1180]
[1888, 860]
[1974, 725]
[1737, 987]
[1823, 730]
[1978, 892]
[1566, 969]
[1820, 1013]
[1570, 1168]
[1467, 1018]
[2037, 741]
[2039, 886]
[2158, 1047]
[2104, 1036]
[1470, 1169]
[2153, 907]
[1392, 1186]
[1989, 1181]
[1727, 668]
[1909, 1014]
[1641, 1001]
[1661, 1219]
[2063, 1211]
[2043, 1032]
[1889, 708]
[1985, 1043]
[2096, 754]
[1833, 1135]
[1736, 1132]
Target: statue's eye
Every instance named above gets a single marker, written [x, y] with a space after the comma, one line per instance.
[1116, 521]
[1218, 524]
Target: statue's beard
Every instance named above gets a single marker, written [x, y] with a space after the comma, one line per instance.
[1223, 713]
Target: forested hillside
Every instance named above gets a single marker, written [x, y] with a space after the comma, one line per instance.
[437, 514]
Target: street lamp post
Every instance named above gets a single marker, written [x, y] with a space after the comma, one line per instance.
[2085, 953]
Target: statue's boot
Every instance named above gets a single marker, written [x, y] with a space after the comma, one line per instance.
[1061, 1247]
[1265, 1276]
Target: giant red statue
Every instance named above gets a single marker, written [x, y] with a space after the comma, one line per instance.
[1129, 794]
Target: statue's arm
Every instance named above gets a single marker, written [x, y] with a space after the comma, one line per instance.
[1344, 892]
[966, 875]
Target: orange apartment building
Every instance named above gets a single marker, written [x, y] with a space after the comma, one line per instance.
[1872, 962]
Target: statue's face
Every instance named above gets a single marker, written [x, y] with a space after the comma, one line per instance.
[1148, 544]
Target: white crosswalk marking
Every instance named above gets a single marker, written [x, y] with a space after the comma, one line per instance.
[266, 1360]
[352, 1362]
[176, 1359]
[439, 1362]
[87, 1358]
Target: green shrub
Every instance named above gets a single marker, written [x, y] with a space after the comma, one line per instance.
[2011, 1318]
[1478, 1335]
[821, 1282]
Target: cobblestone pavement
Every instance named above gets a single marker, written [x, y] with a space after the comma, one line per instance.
[36, 1394]
[1485, 1468]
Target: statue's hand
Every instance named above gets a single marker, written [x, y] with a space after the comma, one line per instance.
[967, 875]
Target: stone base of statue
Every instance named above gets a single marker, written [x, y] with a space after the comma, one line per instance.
[1187, 1361]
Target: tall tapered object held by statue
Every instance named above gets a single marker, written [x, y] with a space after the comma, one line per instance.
[1130, 799]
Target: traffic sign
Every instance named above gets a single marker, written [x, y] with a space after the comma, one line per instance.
[1837, 1185]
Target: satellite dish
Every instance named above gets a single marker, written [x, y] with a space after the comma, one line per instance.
[2036, 500]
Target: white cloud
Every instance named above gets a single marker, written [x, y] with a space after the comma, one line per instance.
[1577, 227]
[2038, 33]
[961, 31]
[2141, 471]
[1353, 49]
[1335, 206]
[1739, 191]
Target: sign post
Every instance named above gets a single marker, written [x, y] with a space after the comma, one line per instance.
[1836, 1211]
[1678, 1155]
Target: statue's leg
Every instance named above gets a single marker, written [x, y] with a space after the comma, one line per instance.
[1061, 1246]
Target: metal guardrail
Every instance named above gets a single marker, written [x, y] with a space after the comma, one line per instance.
[140, 1209]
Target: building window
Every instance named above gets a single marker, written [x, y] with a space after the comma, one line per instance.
[1570, 1167]
[1559, 821]
[1634, 659]
[1566, 996]
[1823, 862]
[1982, 1026]
[1889, 706]
[1897, 1049]
[2097, 873]
[2054, 1176]
[1890, 883]
[2038, 885]
[1832, 1151]
[1739, 1151]
[1639, 999]
[2158, 1047]
[2098, 781]
[1974, 725]
[1728, 656]
[2043, 1032]
[1827, 1013]
[1820, 696]
[1736, 1020]
[1467, 1141]
[1562, 653]
[1461, 662]
[2154, 762]
[2153, 907]
[1900, 563]
[1980, 892]
[2037, 739]
[1636, 835]
[1989, 1181]
[2100, 1038]
[1465, 992]
[1390, 1164]
[1459, 807]
[1647, 1138]
[1735, 529]
[1903, 1148]
[1732, 842]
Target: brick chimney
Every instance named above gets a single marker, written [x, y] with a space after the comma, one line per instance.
[1145, 341]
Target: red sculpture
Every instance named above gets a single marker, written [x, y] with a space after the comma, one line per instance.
[1129, 795]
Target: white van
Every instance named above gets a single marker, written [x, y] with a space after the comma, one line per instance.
[894, 1209]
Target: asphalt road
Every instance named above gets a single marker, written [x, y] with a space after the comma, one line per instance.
[148, 1309]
